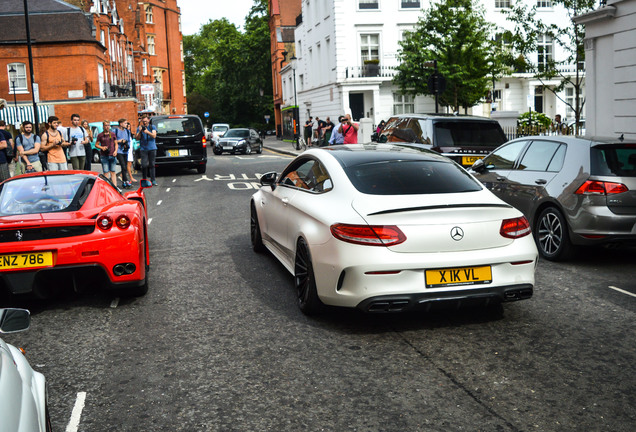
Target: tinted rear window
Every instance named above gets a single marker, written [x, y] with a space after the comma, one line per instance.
[177, 126]
[43, 194]
[468, 134]
[410, 178]
[219, 128]
[615, 160]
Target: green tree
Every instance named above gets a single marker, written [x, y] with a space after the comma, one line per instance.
[454, 33]
[568, 37]
[226, 70]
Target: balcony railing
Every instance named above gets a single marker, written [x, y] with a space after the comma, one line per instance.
[368, 71]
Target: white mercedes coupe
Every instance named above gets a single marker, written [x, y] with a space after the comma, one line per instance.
[388, 228]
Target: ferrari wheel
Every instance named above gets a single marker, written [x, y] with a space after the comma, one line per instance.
[255, 231]
[304, 280]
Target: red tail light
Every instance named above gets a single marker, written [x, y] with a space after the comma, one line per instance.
[593, 187]
[104, 222]
[369, 235]
[204, 141]
[122, 222]
[515, 228]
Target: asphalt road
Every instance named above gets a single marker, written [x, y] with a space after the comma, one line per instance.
[218, 343]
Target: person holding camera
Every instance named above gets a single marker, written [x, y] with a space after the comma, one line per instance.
[349, 130]
[146, 134]
[53, 144]
[107, 145]
[124, 143]
[77, 137]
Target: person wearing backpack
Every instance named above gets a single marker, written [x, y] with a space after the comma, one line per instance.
[4, 166]
[76, 135]
[9, 150]
[28, 148]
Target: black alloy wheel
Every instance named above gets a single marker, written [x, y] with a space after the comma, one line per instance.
[255, 231]
[304, 280]
[552, 236]
[248, 149]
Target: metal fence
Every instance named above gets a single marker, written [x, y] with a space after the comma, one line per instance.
[513, 132]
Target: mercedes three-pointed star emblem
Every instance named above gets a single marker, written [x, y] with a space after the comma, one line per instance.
[457, 233]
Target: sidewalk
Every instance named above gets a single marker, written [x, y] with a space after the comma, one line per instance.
[272, 143]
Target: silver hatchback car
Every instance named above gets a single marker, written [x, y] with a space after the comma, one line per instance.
[573, 190]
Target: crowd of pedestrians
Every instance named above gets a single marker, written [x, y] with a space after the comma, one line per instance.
[322, 133]
[57, 145]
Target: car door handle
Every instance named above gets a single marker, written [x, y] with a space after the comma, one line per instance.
[501, 179]
[541, 181]
[285, 201]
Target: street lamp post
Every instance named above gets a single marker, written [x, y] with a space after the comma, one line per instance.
[293, 60]
[13, 76]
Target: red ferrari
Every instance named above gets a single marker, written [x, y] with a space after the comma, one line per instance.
[72, 229]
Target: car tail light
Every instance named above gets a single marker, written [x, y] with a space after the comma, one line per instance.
[593, 187]
[204, 141]
[104, 222]
[515, 228]
[122, 222]
[369, 235]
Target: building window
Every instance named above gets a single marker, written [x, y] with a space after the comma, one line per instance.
[149, 17]
[569, 102]
[544, 3]
[19, 83]
[502, 4]
[181, 47]
[403, 104]
[368, 4]
[184, 83]
[410, 4]
[369, 47]
[544, 52]
[102, 36]
[151, 45]
[144, 67]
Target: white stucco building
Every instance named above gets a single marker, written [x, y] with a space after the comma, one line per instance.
[610, 57]
[346, 53]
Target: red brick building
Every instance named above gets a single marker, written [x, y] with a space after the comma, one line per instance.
[282, 22]
[102, 59]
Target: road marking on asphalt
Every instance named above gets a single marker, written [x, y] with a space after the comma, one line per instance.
[621, 291]
[149, 220]
[159, 202]
[167, 189]
[174, 180]
[114, 303]
[73, 424]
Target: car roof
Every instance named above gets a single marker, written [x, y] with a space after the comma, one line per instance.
[579, 140]
[355, 154]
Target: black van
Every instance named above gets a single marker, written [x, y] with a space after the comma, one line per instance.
[180, 141]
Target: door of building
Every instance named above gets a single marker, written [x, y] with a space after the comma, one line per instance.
[356, 103]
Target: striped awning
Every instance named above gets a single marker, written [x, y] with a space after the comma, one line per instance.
[12, 114]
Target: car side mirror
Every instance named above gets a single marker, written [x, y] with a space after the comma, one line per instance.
[269, 179]
[14, 320]
[478, 166]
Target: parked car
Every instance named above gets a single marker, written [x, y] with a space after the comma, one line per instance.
[240, 140]
[72, 229]
[180, 142]
[386, 228]
[208, 134]
[574, 191]
[23, 397]
[218, 130]
[97, 128]
[462, 138]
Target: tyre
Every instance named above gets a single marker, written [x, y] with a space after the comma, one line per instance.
[201, 169]
[304, 281]
[140, 290]
[255, 231]
[95, 158]
[248, 149]
[260, 149]
[217, 152]
[551, 235]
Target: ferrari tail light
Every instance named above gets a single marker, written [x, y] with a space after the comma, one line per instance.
[122, 222]
[104, 222]
[515, 228]
[593, 187]
[369, 235]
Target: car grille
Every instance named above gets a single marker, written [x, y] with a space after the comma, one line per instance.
[30, 234]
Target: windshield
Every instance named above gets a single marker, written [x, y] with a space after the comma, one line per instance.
[468, 134]
[219, 128]
[237, 133]
[42, 194]
[400, 177]
[614, 160]
[177, 126]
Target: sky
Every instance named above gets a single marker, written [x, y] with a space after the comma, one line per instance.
[195, 13]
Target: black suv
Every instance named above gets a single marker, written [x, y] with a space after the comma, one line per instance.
[464, 139]
[180, 141]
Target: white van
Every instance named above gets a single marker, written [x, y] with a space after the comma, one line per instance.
[218, 130]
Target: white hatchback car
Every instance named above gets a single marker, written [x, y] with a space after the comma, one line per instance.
[387, 228]
[23, 406]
